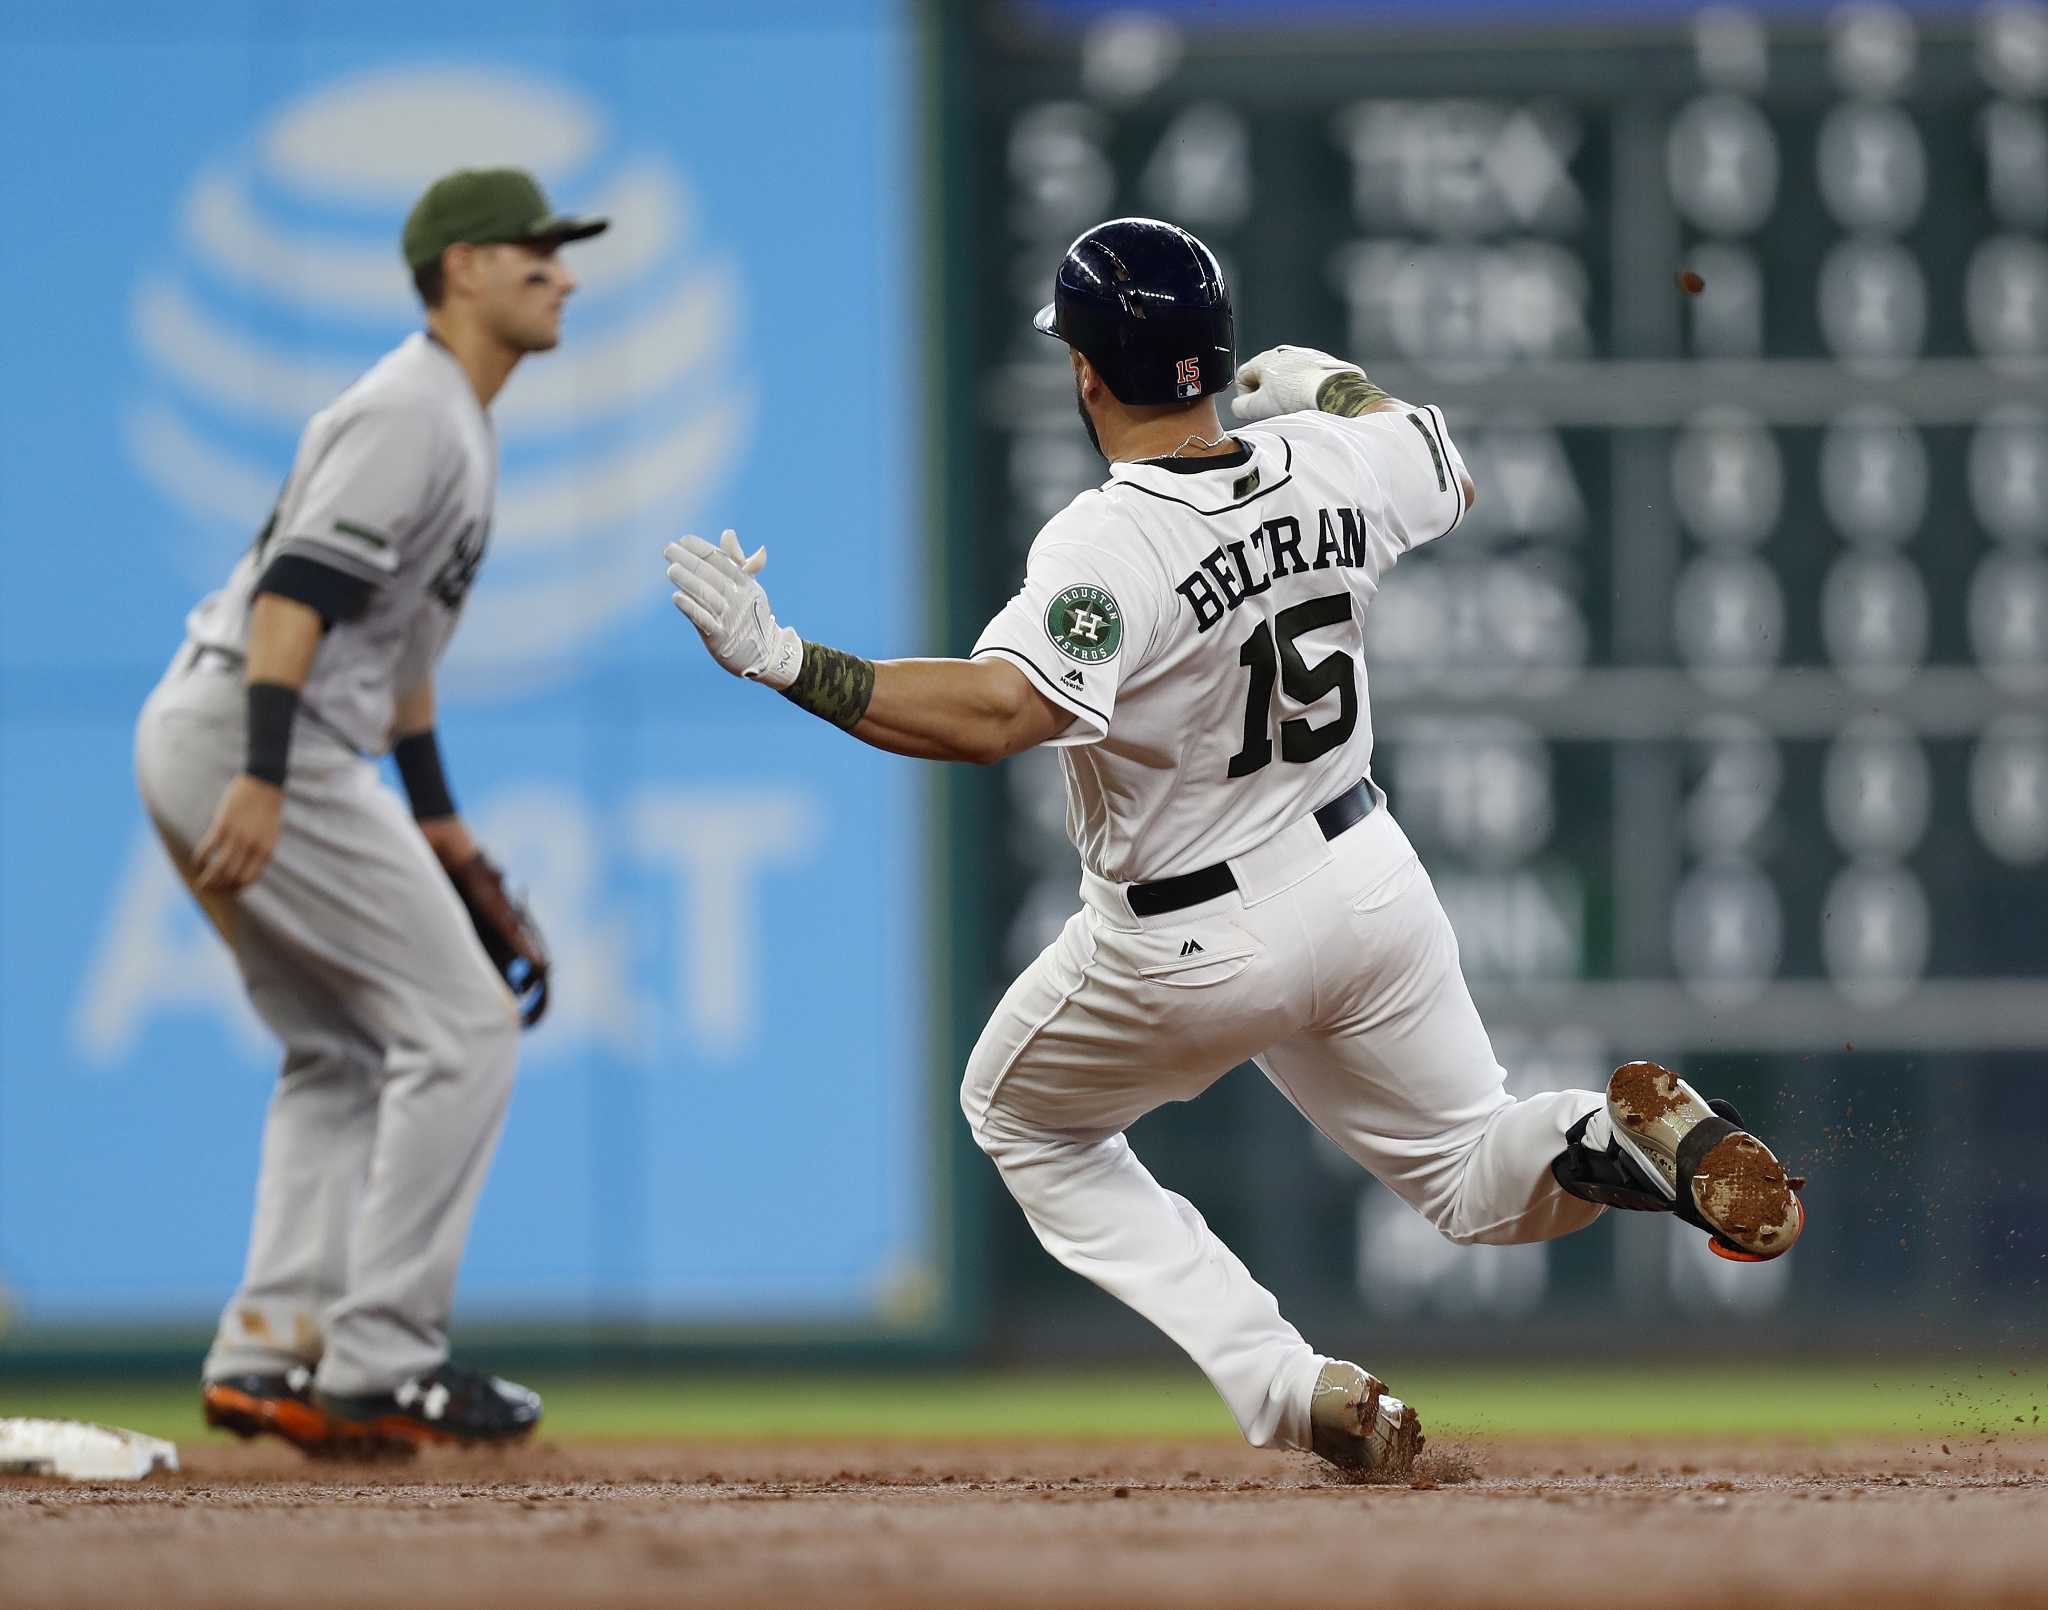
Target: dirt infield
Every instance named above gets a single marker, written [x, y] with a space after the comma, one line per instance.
[1187, 1525]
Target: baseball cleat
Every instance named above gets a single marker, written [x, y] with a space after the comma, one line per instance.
[268, 1405]
[1358, 1426]
[465, 1408]
[1659, 1145]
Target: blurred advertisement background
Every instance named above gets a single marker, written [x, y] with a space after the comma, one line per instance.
[724, 1117]
[1720, 726]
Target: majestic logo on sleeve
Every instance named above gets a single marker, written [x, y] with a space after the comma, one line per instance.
[1085, 624]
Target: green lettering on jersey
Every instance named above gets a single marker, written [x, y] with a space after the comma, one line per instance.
[362, 533]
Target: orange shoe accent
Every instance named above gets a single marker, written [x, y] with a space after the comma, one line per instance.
[397, 1428]
[301, 1423]
[229, 1409]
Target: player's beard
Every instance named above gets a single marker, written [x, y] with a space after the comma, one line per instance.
[1087, 421]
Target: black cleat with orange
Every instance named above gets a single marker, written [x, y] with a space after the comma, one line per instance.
[465, 1408]
[268, 1405]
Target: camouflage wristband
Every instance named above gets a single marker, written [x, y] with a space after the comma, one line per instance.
[833, 684]
[1348, 392]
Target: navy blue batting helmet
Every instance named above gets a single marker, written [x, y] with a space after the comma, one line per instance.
[1146, 304]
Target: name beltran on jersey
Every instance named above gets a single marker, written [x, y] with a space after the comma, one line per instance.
[1224, 579]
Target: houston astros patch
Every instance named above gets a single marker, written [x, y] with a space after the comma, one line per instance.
[1085, 624]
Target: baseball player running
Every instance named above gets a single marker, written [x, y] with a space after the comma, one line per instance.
[1188, 636]
[378, 944]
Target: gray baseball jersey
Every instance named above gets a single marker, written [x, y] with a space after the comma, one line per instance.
[393, 485]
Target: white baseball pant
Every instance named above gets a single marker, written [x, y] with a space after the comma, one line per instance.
[1334, 968]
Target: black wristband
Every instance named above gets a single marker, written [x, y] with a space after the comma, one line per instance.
[273, 708]
[419, 767]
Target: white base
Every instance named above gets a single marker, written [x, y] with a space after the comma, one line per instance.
[82, 1452]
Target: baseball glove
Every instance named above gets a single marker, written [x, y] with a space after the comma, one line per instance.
[510, 935]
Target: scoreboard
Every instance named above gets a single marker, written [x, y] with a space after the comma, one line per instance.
[1722, 723]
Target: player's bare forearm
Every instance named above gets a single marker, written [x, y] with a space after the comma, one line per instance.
[417, 749]
[283, 636]
[414, 711]
[966, 710]
[974, 710]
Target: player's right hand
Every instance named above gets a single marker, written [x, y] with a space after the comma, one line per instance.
[238, 845]
[1283, 380]
[716, 589]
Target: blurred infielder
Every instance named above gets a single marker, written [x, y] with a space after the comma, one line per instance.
[1188, 636]
[378, 944]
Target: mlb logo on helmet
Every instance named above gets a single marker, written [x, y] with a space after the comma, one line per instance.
[1187, 377]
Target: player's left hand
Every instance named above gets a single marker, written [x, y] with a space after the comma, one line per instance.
[716, 588]
[1283, 380]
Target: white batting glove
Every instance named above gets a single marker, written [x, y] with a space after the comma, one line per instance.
[1284, 380]
[716, 588]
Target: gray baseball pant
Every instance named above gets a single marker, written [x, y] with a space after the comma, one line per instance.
[400, 1044]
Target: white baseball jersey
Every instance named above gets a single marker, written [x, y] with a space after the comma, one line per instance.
[1201, 619]
[393, 485]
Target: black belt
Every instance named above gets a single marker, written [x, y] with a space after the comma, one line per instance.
[1348, 809]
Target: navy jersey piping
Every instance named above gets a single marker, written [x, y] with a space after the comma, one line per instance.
[1457, 486]
[1019, 657]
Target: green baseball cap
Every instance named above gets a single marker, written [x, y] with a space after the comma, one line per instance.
[486, 207]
